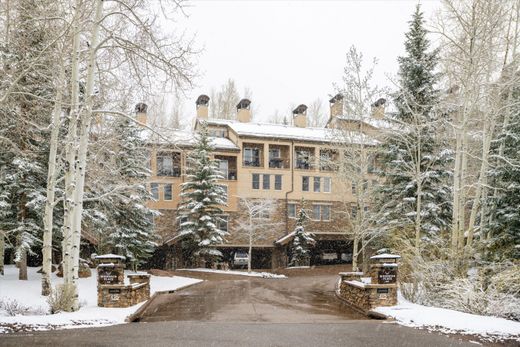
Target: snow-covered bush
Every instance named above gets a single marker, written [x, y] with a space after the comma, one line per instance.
[483, 290]
[61, 299]
[12, 307]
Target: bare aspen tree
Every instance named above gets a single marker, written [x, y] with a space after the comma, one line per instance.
[257, 219]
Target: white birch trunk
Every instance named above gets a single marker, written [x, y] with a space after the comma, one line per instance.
[86, 117]
[51, 186]
[2, 252]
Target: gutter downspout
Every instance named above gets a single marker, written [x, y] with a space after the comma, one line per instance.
[291, 163]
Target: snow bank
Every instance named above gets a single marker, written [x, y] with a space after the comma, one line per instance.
[450, 321]
[240, 273]
[27, 293]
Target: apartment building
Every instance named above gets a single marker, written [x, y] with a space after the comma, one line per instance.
[260, 161]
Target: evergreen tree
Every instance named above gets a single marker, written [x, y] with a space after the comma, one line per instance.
[504, 231]
[201, 198]
[303, 241]
[125, 222]
[415, 158]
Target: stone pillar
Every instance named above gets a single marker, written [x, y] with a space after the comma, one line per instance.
[111, 279]
[383, 268]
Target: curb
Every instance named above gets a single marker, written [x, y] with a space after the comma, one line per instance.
[139, 312]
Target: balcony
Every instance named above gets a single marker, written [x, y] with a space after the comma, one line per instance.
[227, 166]
[169, 164]
[304, 158]
[279, 157]
[253, 155]
[328, 160]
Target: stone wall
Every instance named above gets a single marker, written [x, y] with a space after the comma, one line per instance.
[125, 295]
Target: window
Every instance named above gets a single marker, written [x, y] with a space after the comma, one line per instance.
[321, 212]
[266, 184]
[325, 212]
[277, 182]
[316, 212]
[291, 210]
[168, 164]
[354, 189]
[251, 156]
[168, 192]
[223, 168]
[181, 221]
[217, 132]
[261, 214]
[317, 184]
[326, 184]
[256, 181]
[154, 187]
[225, 193]
[305, 183]
[222, 223]
[275, 158]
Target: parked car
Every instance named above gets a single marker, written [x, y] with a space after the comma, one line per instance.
[329, 256]
[346, 257]
[240, 258]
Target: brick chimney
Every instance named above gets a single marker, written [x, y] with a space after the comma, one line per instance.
[336, 106]
[140, 113]
[378, 109]
[244, 111]
[300, 116]
[202, 106]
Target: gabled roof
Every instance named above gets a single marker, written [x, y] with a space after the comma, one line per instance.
[288, 132]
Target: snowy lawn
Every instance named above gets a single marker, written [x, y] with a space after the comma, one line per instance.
[27, 293]
[239, 273]
[450, 321]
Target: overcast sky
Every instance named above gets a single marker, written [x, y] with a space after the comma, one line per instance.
[291, 52]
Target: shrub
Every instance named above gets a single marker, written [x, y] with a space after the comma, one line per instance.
[61, 299]
[12, 308]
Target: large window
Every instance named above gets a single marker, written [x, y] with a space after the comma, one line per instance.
[256, 181]
[321, 212]
[252, 156]
[277, 182]
[291, 210]
[168, 191]
[223, 167]
[317, 184]
[305, 183]
[168, 164]
[154, 188]
[266, 184]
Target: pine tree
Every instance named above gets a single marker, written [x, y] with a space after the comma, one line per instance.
[126, 223]
[416, 193]
[302, 242]
[504, 232]
[201, 198]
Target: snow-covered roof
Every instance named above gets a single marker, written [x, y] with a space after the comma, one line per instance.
[289, 132]
[374, 122]
[182, 138]
[110, 256]
[386, 256]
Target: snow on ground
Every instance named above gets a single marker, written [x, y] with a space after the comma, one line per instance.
[27, 293]
[450, 321]
[240, 273]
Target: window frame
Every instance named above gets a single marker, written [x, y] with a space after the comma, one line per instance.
[289, 214]
[257, 181]
[316, 184]
[154, 191]
[306, 178]
[266, 183]
[278, 182]
[325, 185]
[171, 191]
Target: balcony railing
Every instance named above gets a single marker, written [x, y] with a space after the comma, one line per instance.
[255, 162]
[175, 172]
[278, 163]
